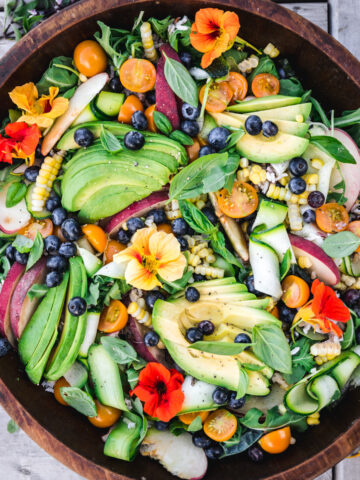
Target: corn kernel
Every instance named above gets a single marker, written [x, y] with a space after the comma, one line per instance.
[271, 50]
[200, 204]
[304, 262]
[284, 180]
[313, 419]
[244, 162]
[141, 315]
[299, 118]
[147, 41]
[317, 163]
[311, 178]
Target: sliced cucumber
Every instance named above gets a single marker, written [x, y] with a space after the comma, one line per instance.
[77, 375]
[325, 390]
[85, 116]
[343, 370]
[298, 400]
[109, 103]
[270, 214]
[198, 395]
[92, 322]
[39, 215]
[91, 262]
[278, 238]
[346, 267]
[355, 265]
[123, 440]
[265, 266]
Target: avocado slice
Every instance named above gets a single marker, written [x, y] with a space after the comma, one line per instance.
[74, 327]
[209, 289]
[208, 125]
[264, 103]
[35, 373]
[291, 113]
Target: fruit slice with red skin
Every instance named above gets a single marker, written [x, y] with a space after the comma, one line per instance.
[21, 307]
[13, 218]
[322, 265]
[135, 334]
[136, 209]
[12, 279]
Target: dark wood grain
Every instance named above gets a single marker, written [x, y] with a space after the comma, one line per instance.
[334, 75]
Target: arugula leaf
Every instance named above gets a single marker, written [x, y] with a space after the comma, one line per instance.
[285, 264]
[162, 123]
[244, 442]
[291, 86]
[36, 251]
[102, 290]
[79, 400]
[220, 348]
[340, 244]
[270, 346]
[273, 419]
[22, 244]
[195, 425]
[181, 137]
[58, 76]
[160, 27]
[333, 147]
[109, 141]
[119, 350]
[243, 381]
[37, 291]
[266, 65]
[16, 192]
[180, 81]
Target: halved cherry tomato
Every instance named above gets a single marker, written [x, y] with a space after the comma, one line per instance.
[219, 96]
[238, 84]
[220, 425]
[276, 441]
[113, 318]
[193, 150]
[59, 384]
[264, 85]
[354, 227]
[106, 416]
[138, 75]
[44, 227]
[332, 218]
[132, 104]
[90, 58]
[241, 202]
[164, 227]
[296, 291]
[57, 231]
[275, 312]
[112, 248]
[187, 418]
[149, 114]
[95, 236]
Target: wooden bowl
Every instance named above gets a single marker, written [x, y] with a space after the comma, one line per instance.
[334, 76]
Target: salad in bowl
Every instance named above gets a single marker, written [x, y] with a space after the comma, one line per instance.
[180, 241]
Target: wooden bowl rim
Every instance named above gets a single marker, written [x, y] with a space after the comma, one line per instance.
[84, 10]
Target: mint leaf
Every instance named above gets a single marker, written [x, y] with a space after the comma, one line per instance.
[119, 350]
[79, 400]
[22, 244]
[341, 244]
[270, 346]
[109, 141]
[162, 123]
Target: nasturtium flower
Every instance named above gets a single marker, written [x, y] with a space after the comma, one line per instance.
[22, 142]
[213, 32]
[40, 111]
[160, 390]
[323, 310]
[150, 255]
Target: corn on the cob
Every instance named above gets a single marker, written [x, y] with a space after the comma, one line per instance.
[311, 178]
[44, 181]
[211, 272]
[248, 64]
[194, 259]
[139, 313]
[328, 349]
[284, 180]
[172, 210]
[313, 419]
[317, 163]
[294, 216]
[348, 280]
[304, 262]
[243, 174]
[148, 42]
[271, 50]
[257, 174]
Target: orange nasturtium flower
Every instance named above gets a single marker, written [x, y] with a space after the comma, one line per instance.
[40, 111]
[213, 32]
[22, 142]
[152, 253]
[324, 310]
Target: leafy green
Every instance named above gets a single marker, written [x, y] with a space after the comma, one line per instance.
[176, 285]
[58, 75]
[132, 377]
[160, 27]
[302, 361]
[220, 348]
[292, 87]
[244, 441]
[266, 65]
[162, 123]
[340, 244]
[195, 425]
[233, 139]
[119, 350]
[270, 346]
[349, 334]
[333, 147]
[180, 81]
[218, 244]
[273, 419]
[321, 115]
[181, 137]
[338, 197]
[36, 251]
[233, 57]
[181, 38]
[109, 141]
[348, 118]
[79, 400]
[16, 192]
[12, 426]
[22, 244]
[37, 291]
[104, 289]
[243, 381]
[177, 427]
[285, 264]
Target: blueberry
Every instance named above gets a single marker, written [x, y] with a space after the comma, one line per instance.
[53, 279]
[77, 306]
[220, 395]
[5, 347]
[184, 245]
[253, 125]
[151, 339]
[298, 166]
[52, 203]
[115, 84]
[198, 277]
[179, 226]
[316, 199]
[68, 249]
[71, 229]
[31, 173]
[309, 216]
[161, 426]
[206, 150]
[139, 121]
[186, 59]
[57, 262]
[52, 244]
[269, 129]
[134, 224]
[158, 216]
[242, 338]
[10, 253]
[151, 97]
[190, 127]
[236, 402]
[210, 214]
[351, 297]
[151, 298]
[58, 215]
[83, 137]
[286, 314]
[192, 294]
[297, 185]
[123, 236]
[21, 258]
[218, 137]
[194, 335]
[201, 440]
[134, 140]
[250, 283]
[357, 335]
[214, 451]
[255, 454]
[189, 112]
[207, 327]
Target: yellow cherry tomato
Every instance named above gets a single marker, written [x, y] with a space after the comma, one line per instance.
[113, 318]
[90, 58]
[138, 75]
[95, 236]
[187, 418]
[220, 425]
[276, 441]
[59, 384]
[106, 416]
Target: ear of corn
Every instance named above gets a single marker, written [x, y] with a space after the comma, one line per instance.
[44, 181]
[295, 219]
[325, 350]
[139, 313]
[148, 42]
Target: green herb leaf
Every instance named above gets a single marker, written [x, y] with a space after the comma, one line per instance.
[218, 244]
[79, 400]
[119, 350]
[176, 285]
[37, 291]
[348, 118]
[244, 442]
[233, 139]
[333, 147]
[36, 251]
[22, 244]
[220, 348]
[109, 141]
[252, 367]
[243, 381]
[181, 37]
[16, 192]
[274, 419]
[320, 111]
[12, 426]
[291, 86]
[119, 43]
[341, 244]
[177, 427]
[181, 137]
[195, 425]
[285, 264]
[55, 76]
[180, 81]
[349, 333]
[194, 217]
[270, 346]
[160, 27]
[132, 377]
[162, 123]
[302, 361]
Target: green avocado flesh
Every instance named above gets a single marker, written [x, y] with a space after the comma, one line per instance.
[290, 113]
[264, 103]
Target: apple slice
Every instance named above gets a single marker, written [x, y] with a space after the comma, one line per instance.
[136, 209]
[12, 279]
[13, 218]
[135, 333]
[323, 266]
[21, 307]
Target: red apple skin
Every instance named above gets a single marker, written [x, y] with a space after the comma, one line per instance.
[136, 209]
[12, 279]
[323, 265]
[135, 333]
[21, 308]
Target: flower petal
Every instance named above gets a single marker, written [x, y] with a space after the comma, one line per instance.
[40, 120]
[170, 405]
[230, 23]
[164, 246]
[221, 45]
[208, 20]
[58, 107]
[25, 96]
[173, 270]
[141, 239]
[139, 277]
[200, 41]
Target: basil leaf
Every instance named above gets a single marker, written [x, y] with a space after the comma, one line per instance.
[243, 382]
[180, 81]
[36, 251]
[270, 346]
[16, 192]
[320, 111]
[176, 285]
[37, 291]
[162, 123]
[79, 400]
[274, 419]
[109, 141]
[302, 361]
[285, 264]
[195, 425]
[220, 348]
[22, 244]
[333, 147]
[351, 117]
[291, 86]
[181, 137]
[219, 246]
[55, 76]
[340, 244]
[265, 65]
[246, 440]
[194, 217]
[233, 139]
[119, 350]
[222, 177]
[132, 377]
